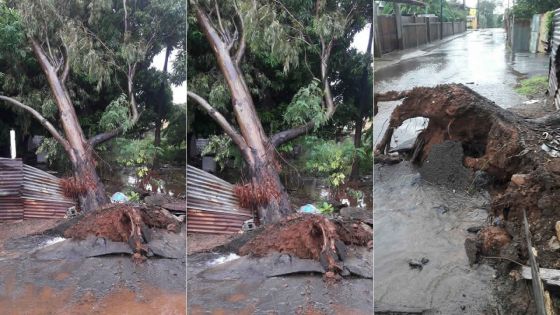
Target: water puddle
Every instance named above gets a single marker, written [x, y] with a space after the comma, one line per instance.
[413, 220]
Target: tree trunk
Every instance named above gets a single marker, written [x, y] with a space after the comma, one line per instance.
[357, 143]
[79, 151]
[95, 195]
[253, 143]
[364, 102]
[159, 108]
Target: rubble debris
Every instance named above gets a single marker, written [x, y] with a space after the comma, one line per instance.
[119, 197]
[418, 263]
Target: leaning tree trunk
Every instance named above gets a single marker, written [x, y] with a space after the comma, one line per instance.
[256, 149]
[521, 155]
[79, 151]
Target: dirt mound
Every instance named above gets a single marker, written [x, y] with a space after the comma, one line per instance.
[522, 156]
[123, 223]
[112, 224]
[444, 166]
[310, 237]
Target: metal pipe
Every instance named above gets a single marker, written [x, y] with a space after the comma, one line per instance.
[13, 143]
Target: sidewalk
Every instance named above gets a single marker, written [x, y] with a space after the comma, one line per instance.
[397, 56]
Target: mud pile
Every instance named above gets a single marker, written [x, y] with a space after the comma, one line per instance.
[122, 223]
[310, 236]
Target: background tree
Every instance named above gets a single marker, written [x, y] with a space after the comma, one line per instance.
[452, 10]
[287, 33]
[486, 14]
[61, 54]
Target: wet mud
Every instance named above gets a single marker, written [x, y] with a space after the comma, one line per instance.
[40, 276]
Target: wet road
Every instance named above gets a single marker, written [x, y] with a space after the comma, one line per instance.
[479, 59]
[414, 219]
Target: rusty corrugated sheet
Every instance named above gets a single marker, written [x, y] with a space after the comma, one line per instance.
[42, 195]
[555, 60]
[27, 192]
[11, 187]
[212, 206]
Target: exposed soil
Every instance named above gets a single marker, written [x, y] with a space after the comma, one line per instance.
[508, 147]
[309, 237]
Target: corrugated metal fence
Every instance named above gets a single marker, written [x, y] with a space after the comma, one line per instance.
[27, 192]
[212, 207]
[554, 65]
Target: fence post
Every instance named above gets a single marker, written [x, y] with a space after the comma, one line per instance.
[398, 22]
[453, 27]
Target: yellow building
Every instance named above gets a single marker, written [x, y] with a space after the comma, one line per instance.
[472, 22]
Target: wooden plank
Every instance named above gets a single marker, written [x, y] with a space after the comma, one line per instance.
[549, 276]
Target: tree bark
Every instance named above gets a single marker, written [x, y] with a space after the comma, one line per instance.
[159, 108]
[80, 153]
[255, 147]
[363, 104]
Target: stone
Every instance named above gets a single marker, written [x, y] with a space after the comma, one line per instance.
[519, 179]
[553, 243]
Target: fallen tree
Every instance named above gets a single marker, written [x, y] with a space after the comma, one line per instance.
[124, 223]
[309, 236]
[520, 154]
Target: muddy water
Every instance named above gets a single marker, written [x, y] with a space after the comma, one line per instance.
[304, 190]
[415, 220]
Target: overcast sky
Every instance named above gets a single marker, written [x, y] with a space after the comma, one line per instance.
[179, 92]
[361, 39]
[501, 5]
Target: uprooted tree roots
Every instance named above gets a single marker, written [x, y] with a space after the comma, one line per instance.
[310, 236]
[518, 153]
[124, 223]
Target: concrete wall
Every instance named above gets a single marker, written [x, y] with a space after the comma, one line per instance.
[404, 32]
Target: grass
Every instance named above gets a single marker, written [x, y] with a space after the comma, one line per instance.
[532, 86]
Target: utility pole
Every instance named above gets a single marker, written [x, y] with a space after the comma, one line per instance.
[441, 19]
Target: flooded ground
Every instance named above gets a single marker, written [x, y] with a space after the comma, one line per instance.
[478, 59]
[43, 274]
[166, 180]
[415, 219]
[246, 285]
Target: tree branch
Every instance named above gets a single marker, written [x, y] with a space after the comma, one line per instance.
[106, 136]
[66, 68]
[286, 135]
[241, 48]
[40, 118]
[220, 119]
